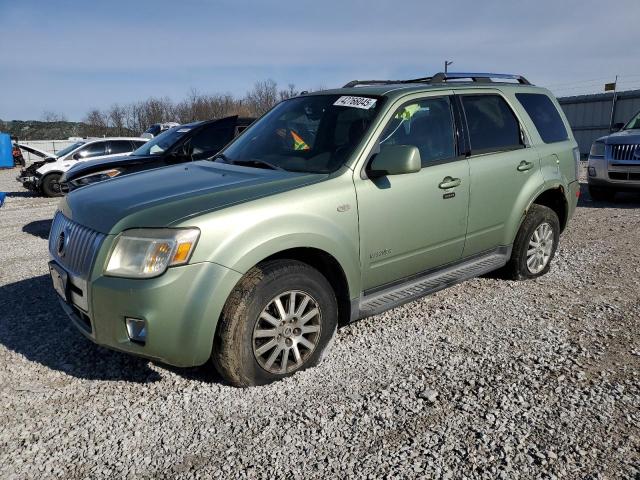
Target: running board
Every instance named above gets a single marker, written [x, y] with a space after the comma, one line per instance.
[416, 286]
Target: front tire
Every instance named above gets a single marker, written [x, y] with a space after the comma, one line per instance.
[51, 185]
[280, 319]
[535, 244]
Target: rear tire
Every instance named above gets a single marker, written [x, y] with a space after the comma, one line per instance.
[51, 185]
[600, 194]
[535, 244]
[263, 336]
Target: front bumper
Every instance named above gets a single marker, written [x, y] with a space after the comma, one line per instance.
[181, 308]
[30, 182]
[619, 175]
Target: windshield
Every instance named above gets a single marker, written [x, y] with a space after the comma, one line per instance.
[160, 144]
[70, 148]
[315, 134]
[633, 123]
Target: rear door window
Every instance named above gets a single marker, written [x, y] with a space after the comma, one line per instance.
[492, 125]
[545, 116]
[120, 146]
[91, 150]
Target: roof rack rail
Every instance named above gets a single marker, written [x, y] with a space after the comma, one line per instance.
[444, 77]
[478, 77]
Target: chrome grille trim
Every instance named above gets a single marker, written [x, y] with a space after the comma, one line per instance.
[623, 152]
[82, 248]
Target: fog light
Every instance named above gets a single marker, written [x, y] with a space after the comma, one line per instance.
[136, 329]
[592, 171]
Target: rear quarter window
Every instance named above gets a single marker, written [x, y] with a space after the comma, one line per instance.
[545, 116]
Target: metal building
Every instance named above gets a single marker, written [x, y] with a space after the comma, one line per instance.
[590, 115]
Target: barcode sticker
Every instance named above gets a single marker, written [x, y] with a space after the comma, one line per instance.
[356, 102]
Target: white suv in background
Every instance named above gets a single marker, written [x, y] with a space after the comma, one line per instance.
[43, 177]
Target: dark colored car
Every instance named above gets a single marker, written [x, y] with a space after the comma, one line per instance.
[184, 143]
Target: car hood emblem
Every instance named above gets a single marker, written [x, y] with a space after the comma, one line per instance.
[63, 240]
[636, 153]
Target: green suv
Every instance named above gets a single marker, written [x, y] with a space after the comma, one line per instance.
[334, 206]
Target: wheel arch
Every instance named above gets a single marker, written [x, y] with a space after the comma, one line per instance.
[328, 266]
[554, 198]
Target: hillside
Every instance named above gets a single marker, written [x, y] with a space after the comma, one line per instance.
[38, 130]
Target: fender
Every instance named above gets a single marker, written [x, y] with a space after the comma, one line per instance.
[254, 249]
[319, 216]
[524, 204]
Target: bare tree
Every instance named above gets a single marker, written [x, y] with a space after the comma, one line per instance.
[96, 124]
[263, 96]
[117, 117]
[50, 116]
[289, 92]
[136, 117]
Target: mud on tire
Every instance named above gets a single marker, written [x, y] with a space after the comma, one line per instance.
[266, 312]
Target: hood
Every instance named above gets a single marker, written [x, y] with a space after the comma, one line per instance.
[36, 151]
[162, 197]
[623, 137]
[96, 164]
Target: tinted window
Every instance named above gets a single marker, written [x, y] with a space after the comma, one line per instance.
[137, 143]
[210, 140]
[545, 116]
[160, 144]
[492, 124]
[69, 149]
[120, 146]
[92, 150]
[426, 124]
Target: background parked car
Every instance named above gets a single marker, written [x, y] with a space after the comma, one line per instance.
[157, 128]
[43, 177]
[614, 162]
[185, 143]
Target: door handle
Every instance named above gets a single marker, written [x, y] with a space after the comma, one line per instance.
[449, 182]
[524, 166]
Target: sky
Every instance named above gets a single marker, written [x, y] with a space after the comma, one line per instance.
[71, 56]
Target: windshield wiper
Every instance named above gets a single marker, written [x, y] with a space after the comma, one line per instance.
[249, 163]
[256, 163]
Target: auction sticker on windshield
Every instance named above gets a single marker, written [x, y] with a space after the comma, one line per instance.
[356, 102]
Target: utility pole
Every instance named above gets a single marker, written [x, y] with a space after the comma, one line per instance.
[446, 65]
[613, 103]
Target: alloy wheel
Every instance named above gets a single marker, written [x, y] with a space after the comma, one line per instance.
[287, 332]
[540, 248]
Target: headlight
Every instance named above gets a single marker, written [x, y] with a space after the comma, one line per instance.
[96, 177]
[597, 149]
[148, 252]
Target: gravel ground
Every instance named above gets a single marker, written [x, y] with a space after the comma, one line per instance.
[488, 379]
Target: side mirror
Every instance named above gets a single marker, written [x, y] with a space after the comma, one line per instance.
[395, 160]
[617, 127]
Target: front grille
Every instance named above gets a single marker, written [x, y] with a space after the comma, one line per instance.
[624, 152]
[81, 245]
